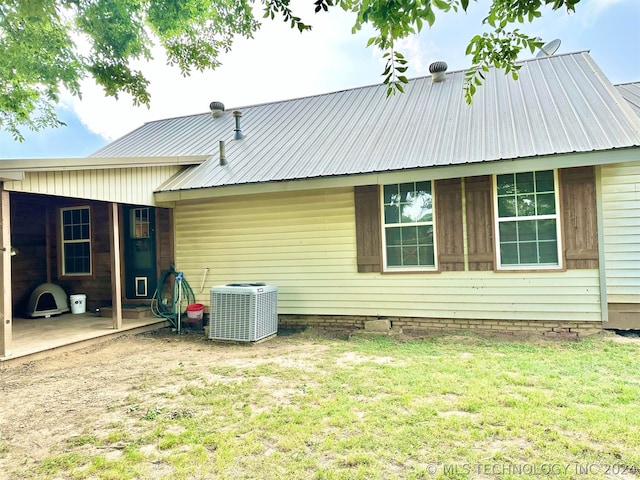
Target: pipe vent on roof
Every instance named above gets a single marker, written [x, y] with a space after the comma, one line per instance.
[223, 154]
[438, 70]
[238, 132]
[217, 109]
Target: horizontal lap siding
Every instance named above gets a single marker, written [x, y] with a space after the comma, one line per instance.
[305, 243]
[122, 185]
[621, 215]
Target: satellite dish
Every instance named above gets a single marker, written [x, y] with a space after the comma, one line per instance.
[549, 49]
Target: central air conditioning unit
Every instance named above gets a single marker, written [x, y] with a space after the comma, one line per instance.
[244, 312]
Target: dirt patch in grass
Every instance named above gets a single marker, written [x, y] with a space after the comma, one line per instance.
[86, 391]
[320, 405]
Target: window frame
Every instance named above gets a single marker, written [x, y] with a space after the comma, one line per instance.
[63, 243]
[557, 216]
[383, 230]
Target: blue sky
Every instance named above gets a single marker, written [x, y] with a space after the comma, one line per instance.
[280, 63]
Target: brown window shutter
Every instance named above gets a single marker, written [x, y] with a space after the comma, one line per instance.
[368, 229]
[479, 222]
[580, 224]
[448, 211]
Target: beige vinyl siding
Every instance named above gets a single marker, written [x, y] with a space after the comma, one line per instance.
[304, 242]
[122, 185]
[621, 216]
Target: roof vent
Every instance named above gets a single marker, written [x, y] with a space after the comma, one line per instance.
[217, 109]
[437, 70]
[238, 135]
[223, 154]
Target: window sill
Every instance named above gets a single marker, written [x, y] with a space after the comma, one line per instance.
[410, 270]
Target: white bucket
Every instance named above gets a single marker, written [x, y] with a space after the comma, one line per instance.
[78, 303]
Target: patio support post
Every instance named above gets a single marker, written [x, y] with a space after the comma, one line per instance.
[116, 273]
[5, 275]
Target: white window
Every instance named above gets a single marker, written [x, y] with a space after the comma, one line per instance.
[76, 240]
[409, 242]
[527, 220]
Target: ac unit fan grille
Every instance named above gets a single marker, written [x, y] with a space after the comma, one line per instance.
[243, 313]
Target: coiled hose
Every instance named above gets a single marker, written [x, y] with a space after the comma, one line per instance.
[182, 294]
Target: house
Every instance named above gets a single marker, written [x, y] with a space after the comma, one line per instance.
[520, 212]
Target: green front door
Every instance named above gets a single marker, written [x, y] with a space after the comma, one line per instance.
[139, 252]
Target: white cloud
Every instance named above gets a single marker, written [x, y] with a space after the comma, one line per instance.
[281, 63]
[593, 9]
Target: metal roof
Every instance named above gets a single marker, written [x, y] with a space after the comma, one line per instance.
[631, 93]
[560, 104]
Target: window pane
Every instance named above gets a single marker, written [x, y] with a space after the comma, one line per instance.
[509, 253]
[544, 181]
[391, 194]
[409, 236]
[528, 252]
[423, 187]
[546, 229]
[394, 256]
[409, 204]
[508, 232]
[425, 235]
[77, 258]
[546, 204]
[528, 240]
[526, 231]
[524, 182]
[418, 207]
[391, 214]
[549, 252]
[68, 257]
[526, 205]
[406, 189]
[410, 256]
[426, 255]
[393, 237]
[506, 184]
[506, 207]
[76, 252]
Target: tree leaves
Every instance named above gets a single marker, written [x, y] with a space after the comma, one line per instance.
[37, 59]
[38, 56]
[281, 7]
[395, 66]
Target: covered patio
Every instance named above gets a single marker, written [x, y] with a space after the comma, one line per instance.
[90, 227]
[35, 338]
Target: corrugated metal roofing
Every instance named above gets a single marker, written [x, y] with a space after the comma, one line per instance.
[560, 104]
[631, 93]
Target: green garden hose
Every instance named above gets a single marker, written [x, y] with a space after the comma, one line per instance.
[182, 294]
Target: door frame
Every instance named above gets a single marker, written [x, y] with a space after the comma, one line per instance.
[125, 210]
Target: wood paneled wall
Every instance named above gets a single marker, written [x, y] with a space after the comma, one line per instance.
[35, 233]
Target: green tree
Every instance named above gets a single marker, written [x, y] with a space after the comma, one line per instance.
[50, 45]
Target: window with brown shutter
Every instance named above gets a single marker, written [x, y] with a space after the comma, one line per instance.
[448, 209]
[368, 229]
[479, 222]
[579, 217]
[527, 213]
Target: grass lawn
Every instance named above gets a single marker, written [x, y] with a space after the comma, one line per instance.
[372, 407]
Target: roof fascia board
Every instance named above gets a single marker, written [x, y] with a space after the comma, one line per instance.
[11, 176]
[94, 163]
[431, 173]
